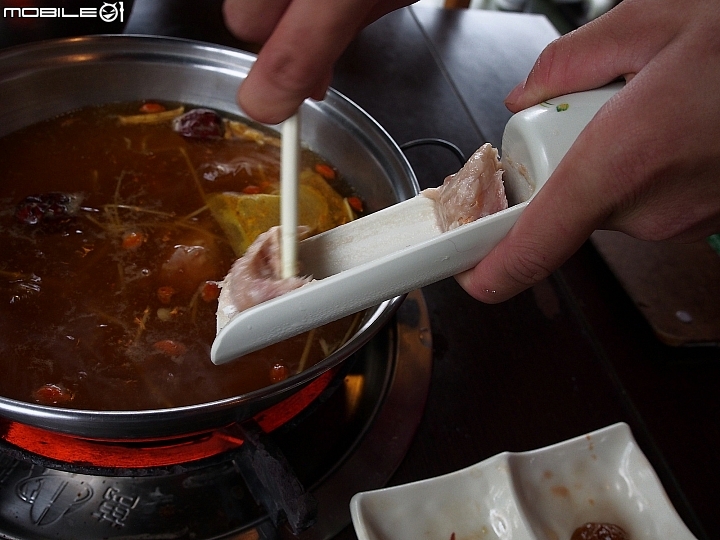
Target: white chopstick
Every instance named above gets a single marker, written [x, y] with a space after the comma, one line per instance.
[289, 178]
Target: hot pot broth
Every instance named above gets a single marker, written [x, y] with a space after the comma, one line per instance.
[108, 302]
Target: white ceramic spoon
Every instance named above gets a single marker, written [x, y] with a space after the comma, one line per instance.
[401, 248]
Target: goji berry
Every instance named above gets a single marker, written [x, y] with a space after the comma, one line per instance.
[170, 347]
[324, 170]
[251, 190]
[165, 294]
[133, 240]
[279, 372]
[209, 291]
[152, 108]
[355, 203]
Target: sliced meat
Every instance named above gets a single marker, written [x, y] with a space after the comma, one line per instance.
[475, 191]
[188, 266]
[256, 277]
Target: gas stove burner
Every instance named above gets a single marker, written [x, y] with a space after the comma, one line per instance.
[353, 441]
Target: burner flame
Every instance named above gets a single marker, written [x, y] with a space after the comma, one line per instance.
[64, 450]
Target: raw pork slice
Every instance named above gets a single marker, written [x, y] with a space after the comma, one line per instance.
[256, 277]
[475, 191]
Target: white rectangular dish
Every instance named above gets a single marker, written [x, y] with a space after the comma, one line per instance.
[543, 494]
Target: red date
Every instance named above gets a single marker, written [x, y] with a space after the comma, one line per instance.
[200, 124]
[46, 207]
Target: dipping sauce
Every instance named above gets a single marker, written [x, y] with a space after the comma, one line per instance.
[109, 254]
[599, 531]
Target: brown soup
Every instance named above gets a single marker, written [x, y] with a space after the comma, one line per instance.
[109, 256]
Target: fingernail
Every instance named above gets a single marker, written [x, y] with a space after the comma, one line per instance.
[515, 94]
[322, 87]
[319, 94]
[268, 105]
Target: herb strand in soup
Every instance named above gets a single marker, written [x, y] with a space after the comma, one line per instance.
[115, 225]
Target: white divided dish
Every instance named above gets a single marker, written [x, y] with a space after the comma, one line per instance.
[542, 494]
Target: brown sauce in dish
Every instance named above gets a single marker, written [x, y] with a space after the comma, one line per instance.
[108, 258]
[599, 531]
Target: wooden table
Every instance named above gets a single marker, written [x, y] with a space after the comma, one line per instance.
[569, 356]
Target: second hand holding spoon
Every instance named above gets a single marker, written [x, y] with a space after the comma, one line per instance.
[401, 248]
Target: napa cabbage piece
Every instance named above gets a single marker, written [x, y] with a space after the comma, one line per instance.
[244, 217]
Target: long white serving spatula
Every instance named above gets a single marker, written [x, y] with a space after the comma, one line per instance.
[401, 248]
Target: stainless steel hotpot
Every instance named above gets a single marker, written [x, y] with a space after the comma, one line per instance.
[41, 80]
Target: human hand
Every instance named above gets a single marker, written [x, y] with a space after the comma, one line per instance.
[302, 40]
[648, 164]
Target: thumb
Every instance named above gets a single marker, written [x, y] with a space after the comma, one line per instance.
[597, 53]
[526, 256]
[560, 217]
